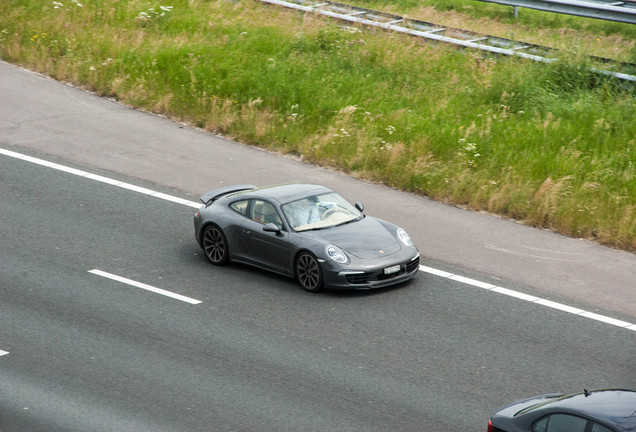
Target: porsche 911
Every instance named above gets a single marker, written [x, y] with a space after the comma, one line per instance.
[305, 231]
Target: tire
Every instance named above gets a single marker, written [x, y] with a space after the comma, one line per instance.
[309, 273]
[215, 245]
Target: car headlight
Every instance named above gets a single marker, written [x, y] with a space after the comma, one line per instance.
[336, 254]
[404, 237]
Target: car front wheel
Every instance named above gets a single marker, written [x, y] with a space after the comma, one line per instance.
[309, 273]
[215, 245]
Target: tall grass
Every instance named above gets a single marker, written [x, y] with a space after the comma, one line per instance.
[550, 145]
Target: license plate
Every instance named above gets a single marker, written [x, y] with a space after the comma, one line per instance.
[392, 269]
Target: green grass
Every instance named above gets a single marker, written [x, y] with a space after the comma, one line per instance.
[552, 145]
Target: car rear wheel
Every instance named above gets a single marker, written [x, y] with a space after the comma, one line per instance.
[215, 245]
[309, 273]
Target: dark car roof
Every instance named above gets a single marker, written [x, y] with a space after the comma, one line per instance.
[617, 407]
[287, 192]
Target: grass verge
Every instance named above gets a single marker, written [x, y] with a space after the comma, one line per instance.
[552, 145]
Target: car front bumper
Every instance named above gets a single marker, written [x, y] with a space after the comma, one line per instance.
[373, 276]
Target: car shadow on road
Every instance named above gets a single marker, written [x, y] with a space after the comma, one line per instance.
[289, 284]
[358, 293]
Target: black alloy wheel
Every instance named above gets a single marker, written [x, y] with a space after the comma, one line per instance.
[308, 272]
[215, 245]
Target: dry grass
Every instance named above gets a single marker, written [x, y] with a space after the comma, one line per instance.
[551, 145]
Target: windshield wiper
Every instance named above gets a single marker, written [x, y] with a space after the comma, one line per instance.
[313, 229]
[349, 221]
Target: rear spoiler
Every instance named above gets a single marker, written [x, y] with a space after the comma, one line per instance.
[215, 194]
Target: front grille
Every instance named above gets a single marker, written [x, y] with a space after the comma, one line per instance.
[413, 265]
[357, 279]
[364, 278]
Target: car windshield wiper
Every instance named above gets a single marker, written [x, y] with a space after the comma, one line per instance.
[349, 221]
[314, 229]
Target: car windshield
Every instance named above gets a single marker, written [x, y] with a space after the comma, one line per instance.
[319, 212]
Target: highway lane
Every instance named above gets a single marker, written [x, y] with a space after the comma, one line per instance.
[88, 353]
[45, 117]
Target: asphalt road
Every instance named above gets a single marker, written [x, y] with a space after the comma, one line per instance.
[87, 353]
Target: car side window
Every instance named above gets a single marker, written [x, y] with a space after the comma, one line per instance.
[600, 428]
[540, 425]
[560, 423]
[264, 212]
[240, 207]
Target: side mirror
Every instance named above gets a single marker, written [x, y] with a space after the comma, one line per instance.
[270, 227]
[360, 206]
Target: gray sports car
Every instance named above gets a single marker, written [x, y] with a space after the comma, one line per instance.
[610, 410]
[304, 231]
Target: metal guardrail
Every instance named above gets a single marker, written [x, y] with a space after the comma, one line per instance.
[610, 10]
[463, 38]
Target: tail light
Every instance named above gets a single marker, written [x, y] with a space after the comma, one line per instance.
[490, 428]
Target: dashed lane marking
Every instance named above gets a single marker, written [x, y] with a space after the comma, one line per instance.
[144, 286]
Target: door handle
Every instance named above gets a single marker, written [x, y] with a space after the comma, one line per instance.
[246, 231]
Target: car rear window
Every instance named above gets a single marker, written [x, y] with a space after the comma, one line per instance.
[240, 207]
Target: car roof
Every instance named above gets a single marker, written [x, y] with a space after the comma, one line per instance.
[284, 193]
[614, 406]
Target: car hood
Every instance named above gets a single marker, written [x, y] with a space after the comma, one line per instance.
[367, 238]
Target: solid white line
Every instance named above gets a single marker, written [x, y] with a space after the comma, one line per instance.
[436, 272]
[515, 294]
[529, 298]
[144, 286]
[134, 188]
[3, 353]
[559, 306]
[423, 268]
[606, 320]
[103, 179]
[473, 282]
[100, 179]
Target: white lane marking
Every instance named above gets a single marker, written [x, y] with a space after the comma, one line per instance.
[607, 320]
[100, 179]
[473, 282]
[431, 270]
[144, 286]
[530, 298]
[2, 353]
